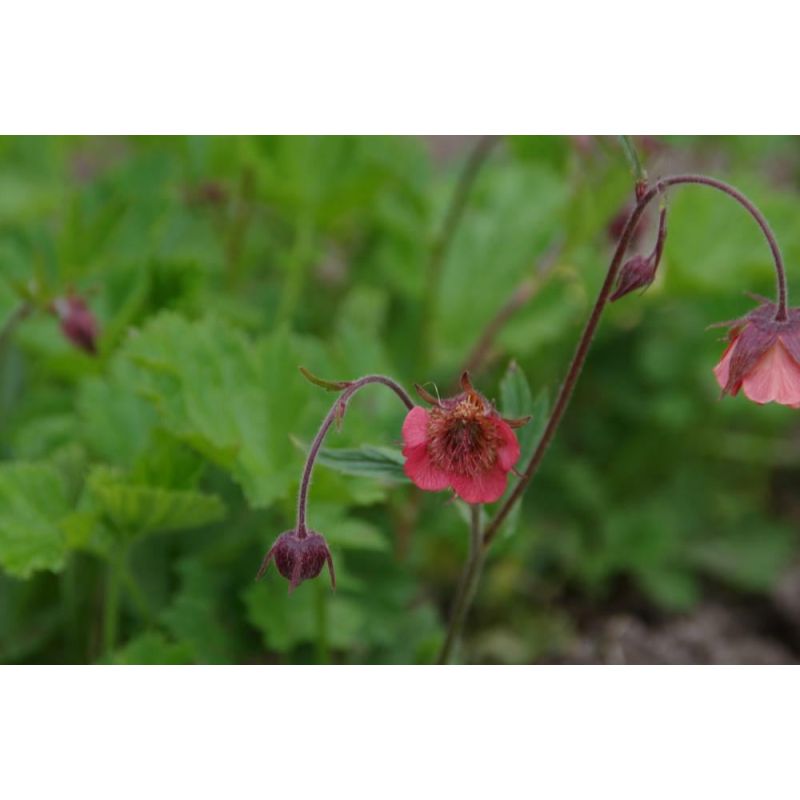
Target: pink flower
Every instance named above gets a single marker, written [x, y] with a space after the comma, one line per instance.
[78, 323]
[763, 357]
[460, 443]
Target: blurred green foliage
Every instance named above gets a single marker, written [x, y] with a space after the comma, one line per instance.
[139, 489]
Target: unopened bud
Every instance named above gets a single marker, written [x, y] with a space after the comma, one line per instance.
[78, 323]
[637, 273]
[299, 556]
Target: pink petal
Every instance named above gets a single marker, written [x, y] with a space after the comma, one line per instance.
[775, 378]
[485, 488]
[508, 452]
[722, 370]
[421, 470]
[415, 427]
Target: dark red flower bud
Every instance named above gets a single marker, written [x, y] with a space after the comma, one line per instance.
[636, 273]
[640, 271]
[299, 556]
[77, 322]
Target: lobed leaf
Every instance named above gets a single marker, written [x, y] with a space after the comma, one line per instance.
[139, 510]
[33, 503]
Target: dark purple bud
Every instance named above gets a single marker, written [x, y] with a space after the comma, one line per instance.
[636, 273]
[77, 322]
[640, 271]
[299, 556]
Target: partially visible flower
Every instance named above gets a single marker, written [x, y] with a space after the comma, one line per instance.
[299, 556]
[763, 357]
[78, 323]
[462, 443]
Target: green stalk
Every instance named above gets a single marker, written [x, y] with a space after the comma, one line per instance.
[467, 586]
[321, 609]
[111, 608]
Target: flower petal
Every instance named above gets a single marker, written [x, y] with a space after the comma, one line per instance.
[484, 488]
[722, 370]
[775, 378]
[415, 427]
[508, 451]
[421, 470]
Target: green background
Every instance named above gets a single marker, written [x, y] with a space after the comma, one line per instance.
[140, 489]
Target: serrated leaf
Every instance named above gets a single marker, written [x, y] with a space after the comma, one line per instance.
[372, 461]
[138, 510]
[115, 421]
[33, 502]
[231, 399]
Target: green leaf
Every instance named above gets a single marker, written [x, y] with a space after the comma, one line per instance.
[232, 400]
[115, 422]
[33, 502]
[514, 213]
[196, 613]
[516, 401]
[346, 532]
[286, 621]
[138, 510]
[371, 461]
[154, 648]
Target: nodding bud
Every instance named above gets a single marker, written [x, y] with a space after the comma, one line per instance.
[299, 556]
[78, 323]
[636, 273]
[640, 271]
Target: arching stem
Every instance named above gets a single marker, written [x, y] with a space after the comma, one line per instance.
[589, 330]
[337, 413]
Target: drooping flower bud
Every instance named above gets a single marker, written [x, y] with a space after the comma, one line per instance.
[78, 323]
[462, 443]
[636, 273]
[640, 271]
[763, 357]
[299, 556]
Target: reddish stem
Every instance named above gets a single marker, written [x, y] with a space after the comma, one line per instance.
[337, 412]
[582, 350]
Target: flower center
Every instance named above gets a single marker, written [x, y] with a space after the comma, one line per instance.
[462, 439]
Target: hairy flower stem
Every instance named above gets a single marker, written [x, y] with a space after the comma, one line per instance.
[582, 350]
[466, 587]
[337, 412]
